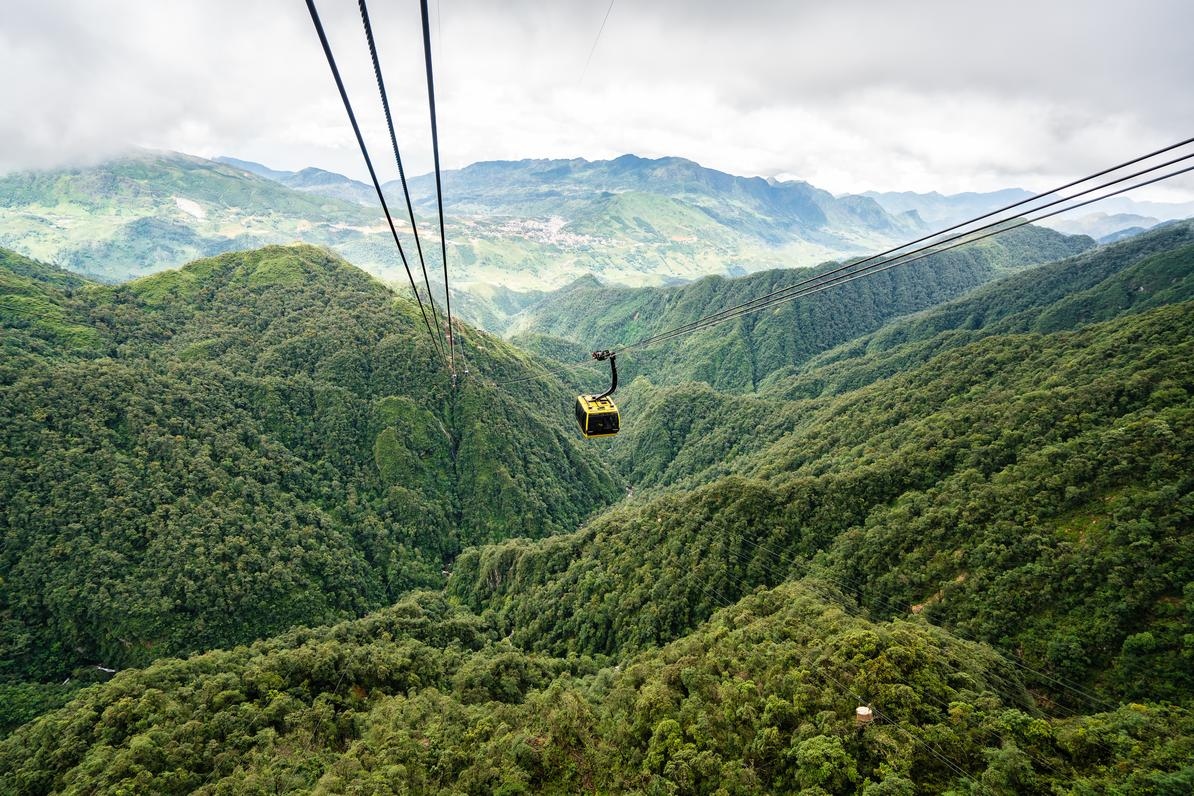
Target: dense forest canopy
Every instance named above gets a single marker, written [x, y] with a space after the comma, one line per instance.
[738, 355]
[207, 456]
[975, 519]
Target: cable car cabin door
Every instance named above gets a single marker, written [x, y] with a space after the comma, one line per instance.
[597, 417]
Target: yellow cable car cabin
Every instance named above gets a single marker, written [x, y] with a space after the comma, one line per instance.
[597, 415]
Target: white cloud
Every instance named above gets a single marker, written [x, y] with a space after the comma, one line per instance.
[848, 95]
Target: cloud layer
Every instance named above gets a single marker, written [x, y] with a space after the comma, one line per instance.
[926, 95]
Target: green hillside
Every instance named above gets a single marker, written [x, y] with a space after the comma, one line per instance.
[975, 520]
[207, 456]
[972, 474]
[738, 355]
[423, 698]
[39, 300]
[151, 211]
[1149, 270]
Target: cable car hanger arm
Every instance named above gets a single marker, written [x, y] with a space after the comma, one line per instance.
[612, 356]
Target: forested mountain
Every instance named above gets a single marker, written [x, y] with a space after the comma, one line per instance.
[963, 486]
[527, 226]
[154, 210]
[1150, 270]
[424, 698]
[975, 519]
[943, 210]
[740, 354]
[210, 455]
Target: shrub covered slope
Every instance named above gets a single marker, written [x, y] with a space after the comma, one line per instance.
[989, 544]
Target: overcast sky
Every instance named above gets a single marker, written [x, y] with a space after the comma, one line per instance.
[915, 95]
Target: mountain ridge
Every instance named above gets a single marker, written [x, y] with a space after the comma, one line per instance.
[533, 225]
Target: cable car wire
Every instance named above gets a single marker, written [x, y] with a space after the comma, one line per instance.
[813, 284]
[932, 748]
[889, 264]
[779, 574]
[750, 305]
[385, 104]
[836, 601]
[356, 129]
[439, 189]
[849, 272]
[593, 49]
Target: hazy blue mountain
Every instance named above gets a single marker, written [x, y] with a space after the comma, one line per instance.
[942, 210]
[1122, 234]
[255, 168]
[1103, 226]
[311, 180]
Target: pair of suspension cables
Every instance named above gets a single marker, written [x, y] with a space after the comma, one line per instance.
[1026, 211]
[1096, 187]
[444, 342]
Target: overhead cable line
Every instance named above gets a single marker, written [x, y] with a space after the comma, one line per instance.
[1096, 702]
[920, 254]
[593, 49]
[849, 272]
[439, 189]
[837, 601]
[804, 287]
[385, 104]
[356, 129]
[825, 592]
[823, 672]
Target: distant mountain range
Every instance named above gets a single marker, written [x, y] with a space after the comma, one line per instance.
[513, 227]
[527, 225]
[151, 211]
[310, 180]
[1118, 217]
[1106, 227]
